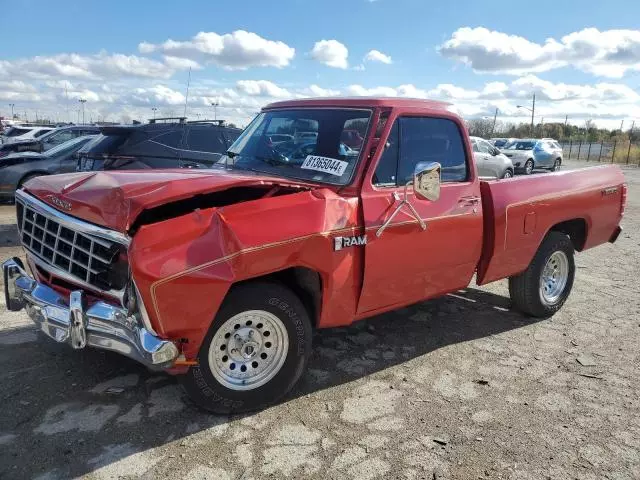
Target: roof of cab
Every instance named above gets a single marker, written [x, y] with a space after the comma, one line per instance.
[360, 102]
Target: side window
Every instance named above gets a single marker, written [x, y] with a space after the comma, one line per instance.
[61, 137]
[206, 139]
[474, 144]
[424, 139]
[387, 169]
[484, 147]
[39, 133]
[171, 139]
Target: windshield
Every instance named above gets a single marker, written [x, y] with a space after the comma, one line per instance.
[320, 145]
[15, 131]
[69, 145]
[520, 145]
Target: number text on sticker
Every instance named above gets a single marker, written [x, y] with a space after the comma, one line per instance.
[325, 165]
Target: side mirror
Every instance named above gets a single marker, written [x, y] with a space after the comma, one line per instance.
[426, 180]
[495, 152]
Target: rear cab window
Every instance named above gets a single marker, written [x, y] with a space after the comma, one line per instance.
[413, 140]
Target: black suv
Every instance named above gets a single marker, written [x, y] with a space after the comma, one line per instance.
[48, 140]
[162, 143]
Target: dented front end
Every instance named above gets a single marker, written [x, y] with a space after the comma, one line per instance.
[184, 266]
[179, 257]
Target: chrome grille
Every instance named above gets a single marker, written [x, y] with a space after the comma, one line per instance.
[90, 259]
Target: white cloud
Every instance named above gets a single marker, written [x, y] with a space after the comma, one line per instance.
[238, 50]
[378, 56]
[611, 53]
[331, 53]
[181, 63]
[88, 67]
[317, 91]
[129, 99]
[262, 88]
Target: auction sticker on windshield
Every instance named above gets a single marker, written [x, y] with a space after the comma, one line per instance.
[328, 165]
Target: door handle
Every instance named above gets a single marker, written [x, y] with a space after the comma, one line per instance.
[469, 201]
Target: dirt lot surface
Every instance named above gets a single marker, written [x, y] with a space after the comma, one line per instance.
[460, 387]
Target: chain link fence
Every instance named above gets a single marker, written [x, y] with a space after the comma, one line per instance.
[621, 152]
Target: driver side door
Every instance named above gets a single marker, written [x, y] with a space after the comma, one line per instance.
[404, 263]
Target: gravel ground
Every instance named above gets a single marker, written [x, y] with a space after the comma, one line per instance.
[459, 387]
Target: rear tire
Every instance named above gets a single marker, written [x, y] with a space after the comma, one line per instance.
[528, 167]
[541, 290]
[255, 351]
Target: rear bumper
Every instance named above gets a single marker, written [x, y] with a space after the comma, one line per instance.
[616, 234]
[67, 320]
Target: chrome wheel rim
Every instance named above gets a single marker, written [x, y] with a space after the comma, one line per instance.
[528, 166]
[507, 174]
[248, 350]
[554, 277]
[557, 165]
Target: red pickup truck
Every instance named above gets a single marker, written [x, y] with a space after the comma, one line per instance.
[220, 276]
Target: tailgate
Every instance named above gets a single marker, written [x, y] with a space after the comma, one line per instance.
[518, 213]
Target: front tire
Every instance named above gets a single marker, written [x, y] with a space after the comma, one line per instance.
[507, 174]
[541, 290]
[255, 351]
[556, 165]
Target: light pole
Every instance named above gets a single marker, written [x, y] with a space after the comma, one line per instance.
[215, 110]
[82, 102]
[532, 110]
[154, 112]
[12, 105]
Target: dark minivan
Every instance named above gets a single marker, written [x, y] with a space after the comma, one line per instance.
[173, 144]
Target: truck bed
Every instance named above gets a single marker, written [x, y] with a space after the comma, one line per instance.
[518, 213]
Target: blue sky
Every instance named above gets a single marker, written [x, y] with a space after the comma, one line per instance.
[477, 55]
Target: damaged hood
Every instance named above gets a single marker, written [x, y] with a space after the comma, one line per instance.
[114, 199]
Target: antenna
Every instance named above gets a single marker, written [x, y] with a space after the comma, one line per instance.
[184, 126]
[66, 94]
[186, 97]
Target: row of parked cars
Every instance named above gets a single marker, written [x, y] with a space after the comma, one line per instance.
[504, 157]
[27, 151]
[165, 143]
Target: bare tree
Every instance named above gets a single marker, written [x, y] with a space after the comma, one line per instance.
[480, 127]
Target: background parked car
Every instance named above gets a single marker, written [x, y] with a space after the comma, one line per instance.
[17, 168]
[158, 145]
[490, 161]
[48, 139]
[20, 133]
[500, 142]
[527, 154]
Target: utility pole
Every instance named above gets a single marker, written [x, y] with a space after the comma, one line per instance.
[621, 125]
[533, 112]
[12, 105]
[633, 124]
[495, 117]
[82, 102]
[215, 110]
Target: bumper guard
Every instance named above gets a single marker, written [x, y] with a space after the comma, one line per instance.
[102, 325]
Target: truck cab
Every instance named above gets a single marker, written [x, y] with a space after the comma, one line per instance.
[220, 276]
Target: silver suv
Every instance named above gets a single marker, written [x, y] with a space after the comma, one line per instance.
[529, 153]
[490, 161]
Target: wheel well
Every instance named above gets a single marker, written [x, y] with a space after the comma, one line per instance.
[576, 229]
[26, 176]
[305, 282]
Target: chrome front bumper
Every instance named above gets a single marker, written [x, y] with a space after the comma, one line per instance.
[69, 321]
